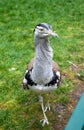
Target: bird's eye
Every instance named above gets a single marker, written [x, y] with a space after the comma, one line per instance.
[41, 29]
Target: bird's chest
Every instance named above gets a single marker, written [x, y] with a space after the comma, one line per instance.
[42, 73]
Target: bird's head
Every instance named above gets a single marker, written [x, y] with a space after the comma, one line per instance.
[44, 30]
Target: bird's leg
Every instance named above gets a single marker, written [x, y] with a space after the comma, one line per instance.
[47, 106]
[45, 120]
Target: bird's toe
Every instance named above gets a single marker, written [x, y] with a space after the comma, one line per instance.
[47, 107]
[44, 121]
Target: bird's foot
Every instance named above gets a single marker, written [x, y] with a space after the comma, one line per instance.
[44, 121]
[47, 107]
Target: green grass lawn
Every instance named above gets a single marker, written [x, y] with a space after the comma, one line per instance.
[19, 109]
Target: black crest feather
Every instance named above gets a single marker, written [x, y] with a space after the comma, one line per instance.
[44, 25]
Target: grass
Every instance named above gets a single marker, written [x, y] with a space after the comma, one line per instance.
[19, 109]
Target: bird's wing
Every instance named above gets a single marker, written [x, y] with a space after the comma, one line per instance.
[56, 70]
[55, 66]
[30, 65]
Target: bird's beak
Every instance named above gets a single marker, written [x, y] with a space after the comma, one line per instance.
[53, 33]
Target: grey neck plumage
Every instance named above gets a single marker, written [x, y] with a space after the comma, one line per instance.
[42, 69]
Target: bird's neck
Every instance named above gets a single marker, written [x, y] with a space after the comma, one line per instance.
[42, 70]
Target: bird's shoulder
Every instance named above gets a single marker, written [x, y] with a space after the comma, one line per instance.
[31, 64]
[55, 66]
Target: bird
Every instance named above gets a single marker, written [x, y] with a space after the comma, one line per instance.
[42, 74]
